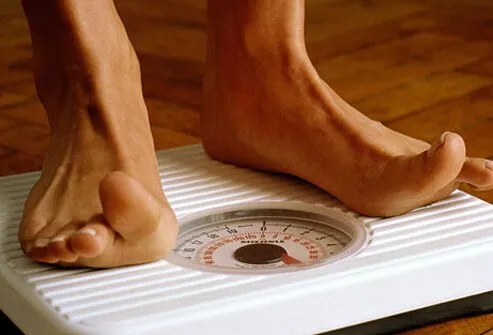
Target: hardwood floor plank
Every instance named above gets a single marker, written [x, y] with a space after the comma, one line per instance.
[329, 18]
[479, 325]
[11, 76]
[420, 94]
[29, 112]
[174, 117]
[483, 67]
[24, 86]
[166, 138]
[172, 79]
[365, 84]
[10, 99]
[458, 114]
[26, 138]
[19, 162]
[4, 152]
[337, 44]
[6, 123]
[386, 54]
[467, 27]
[479, 139]
[185, 95]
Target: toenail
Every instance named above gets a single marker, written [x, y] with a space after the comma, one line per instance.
[28, 248]
[437, 144]
[60, 238]
[88, 231]
[488, 164]
[41, 242]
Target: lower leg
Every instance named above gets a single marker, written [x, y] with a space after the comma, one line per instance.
[88, 79]
[266, 107]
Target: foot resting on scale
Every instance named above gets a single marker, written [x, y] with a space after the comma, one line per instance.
[267, 108]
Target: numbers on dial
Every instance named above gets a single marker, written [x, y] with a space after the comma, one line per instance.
[261, 243]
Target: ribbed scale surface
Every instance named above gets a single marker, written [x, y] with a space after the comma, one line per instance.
[195, 183]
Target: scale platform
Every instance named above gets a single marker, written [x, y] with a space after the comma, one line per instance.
[372, 277]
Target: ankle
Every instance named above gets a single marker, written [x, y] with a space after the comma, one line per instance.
[256, 30]
[82, 41]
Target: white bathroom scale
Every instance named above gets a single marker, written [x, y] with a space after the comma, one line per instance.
[259, 253]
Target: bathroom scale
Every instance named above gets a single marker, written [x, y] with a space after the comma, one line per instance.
[260, 253]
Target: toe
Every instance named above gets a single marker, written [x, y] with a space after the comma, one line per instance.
[146, 226]
[419, 179]
[40, 251]
[29, 228]
[432, 170]
[477, 172]
[441, 164]
[59, 246]
[432, 173]
[133, 211]
[62, 251]
[91, 240]
[47, 246]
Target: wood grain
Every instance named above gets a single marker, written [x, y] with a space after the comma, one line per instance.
[421, 67]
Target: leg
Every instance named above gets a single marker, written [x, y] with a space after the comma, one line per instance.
[266, 107]
[99, 200]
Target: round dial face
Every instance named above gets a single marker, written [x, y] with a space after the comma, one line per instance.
[267, 238]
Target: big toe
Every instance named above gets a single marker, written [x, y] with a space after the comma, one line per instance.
[440, 165]
[138, 217]
[477, 172]
[412, 181]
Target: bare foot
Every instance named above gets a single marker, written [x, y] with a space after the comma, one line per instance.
[267, 108]
[99, 201]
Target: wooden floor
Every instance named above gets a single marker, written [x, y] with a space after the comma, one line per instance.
[421, 67]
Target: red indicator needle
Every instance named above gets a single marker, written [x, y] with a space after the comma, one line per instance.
[288, 259]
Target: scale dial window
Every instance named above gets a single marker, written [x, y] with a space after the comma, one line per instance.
[267, 237]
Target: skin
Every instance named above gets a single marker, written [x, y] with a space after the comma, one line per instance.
[99, 201]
